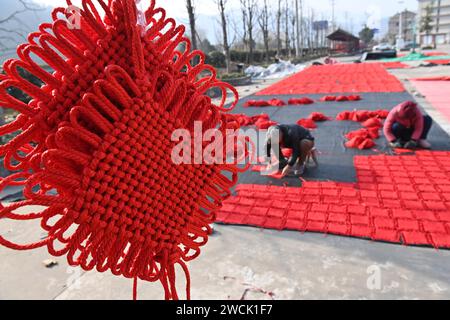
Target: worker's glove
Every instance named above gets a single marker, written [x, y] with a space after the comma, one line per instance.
[412, 144]
[396, 144]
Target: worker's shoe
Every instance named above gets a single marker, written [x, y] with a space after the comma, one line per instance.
[396, 144]
[424, 144]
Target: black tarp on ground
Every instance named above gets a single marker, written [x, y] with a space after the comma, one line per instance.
[336, 161]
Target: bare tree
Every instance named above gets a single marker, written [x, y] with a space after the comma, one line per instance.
[238, 26]
[250, 8]
[307, 25]
[311, 29]
[301, 33]
[263, 21]
[293, 20]
[279, 17]
[244, 23]
[9, 36]
[286, 29]
[191, 13]
[297, 25]
[223, 18]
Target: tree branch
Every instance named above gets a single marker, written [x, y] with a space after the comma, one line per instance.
[26, 7]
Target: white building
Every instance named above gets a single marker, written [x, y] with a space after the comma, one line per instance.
[440, 22]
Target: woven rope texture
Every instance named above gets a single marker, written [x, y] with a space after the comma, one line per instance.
[98, 132]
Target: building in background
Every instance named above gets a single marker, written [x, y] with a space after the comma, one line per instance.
[407, 25]
[439, 22]
[342, 41]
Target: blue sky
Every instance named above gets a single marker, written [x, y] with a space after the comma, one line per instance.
[349, 13]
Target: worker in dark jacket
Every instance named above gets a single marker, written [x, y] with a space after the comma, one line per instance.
[293, 137]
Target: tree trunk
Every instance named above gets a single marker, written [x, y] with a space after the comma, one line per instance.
[287, 44]
[293, 31]
[248, 15]
[244, 25]
[297, 25]
[191, 14]
[264, 24]
[300, 26]
[279, 15]
[226, 46]
[250, 35]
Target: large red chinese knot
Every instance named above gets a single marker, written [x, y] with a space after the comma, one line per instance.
[94, 143]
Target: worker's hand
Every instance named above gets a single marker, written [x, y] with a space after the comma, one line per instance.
[271, 168]
[286, 171]
[395, 144]
[411, 144]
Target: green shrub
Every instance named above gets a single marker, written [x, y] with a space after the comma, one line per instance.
[217, 59]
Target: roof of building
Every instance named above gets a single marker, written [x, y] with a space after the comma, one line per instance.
[396, 16]
[342, 35]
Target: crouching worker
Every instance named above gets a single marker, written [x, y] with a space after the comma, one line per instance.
[293, 137]
[406, 127]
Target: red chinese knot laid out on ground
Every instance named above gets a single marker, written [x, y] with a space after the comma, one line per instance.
[98, 132]
[300, 101]
[265, 103]
[395, 65]
[399, 199]
[307, 123]
[337, 79]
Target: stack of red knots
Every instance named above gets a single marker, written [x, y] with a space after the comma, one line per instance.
[310, 122]
[341, 98]
[277, 102]
[335, 79]
[364, 138]
[307, 123]
[300, 101]
[98, 131]
[265, 103]
[261, 121]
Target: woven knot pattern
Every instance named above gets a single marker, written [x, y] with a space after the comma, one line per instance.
[132, 179]
[98, 132]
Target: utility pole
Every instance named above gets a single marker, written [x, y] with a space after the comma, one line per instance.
[438, 21]
[414, 36]
[400, 41]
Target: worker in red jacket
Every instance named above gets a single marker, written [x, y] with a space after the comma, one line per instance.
[406, 127]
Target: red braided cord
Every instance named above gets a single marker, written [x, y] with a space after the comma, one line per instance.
[98, 133]
[135, 282]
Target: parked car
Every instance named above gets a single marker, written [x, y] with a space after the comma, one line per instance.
[409, 46]
[383, 47]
